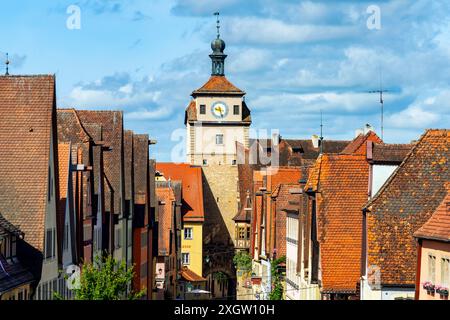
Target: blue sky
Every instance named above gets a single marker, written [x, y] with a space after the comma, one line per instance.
[293, 58]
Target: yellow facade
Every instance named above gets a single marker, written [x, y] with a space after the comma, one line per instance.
[193, 246]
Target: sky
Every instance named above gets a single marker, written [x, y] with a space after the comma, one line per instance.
[293, 58]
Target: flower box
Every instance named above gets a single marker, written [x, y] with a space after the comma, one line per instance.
[443, 291]
[429, 287]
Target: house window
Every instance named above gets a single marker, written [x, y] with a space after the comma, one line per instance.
[205, 162]
[188, 233]
[6, 248]
[50, 243]
[202, 109]
[248, 232]
[445, 271]
[241, 233]
[117, 239]
[186, 258]
[233, 162]
[431, 268]
[236, 109]
[219, 138]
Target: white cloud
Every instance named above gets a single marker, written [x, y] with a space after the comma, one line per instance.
[272, 31]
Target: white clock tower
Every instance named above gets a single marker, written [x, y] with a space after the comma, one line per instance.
[217, 116]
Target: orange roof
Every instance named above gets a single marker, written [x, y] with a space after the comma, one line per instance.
[403, 204]
[218, 84]
[165, 196]
[358, 145]
[27, 113]
[189, 275]
[192, 188]
[341, 183]
[438, 226]
[63, 166]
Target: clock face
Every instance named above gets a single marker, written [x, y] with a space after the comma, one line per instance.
[219, 109]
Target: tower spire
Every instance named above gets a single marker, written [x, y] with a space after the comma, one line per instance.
[218, 24]
[217, 56]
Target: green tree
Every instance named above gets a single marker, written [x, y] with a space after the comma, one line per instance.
[243, 261]
[106, 279]
[277, 279]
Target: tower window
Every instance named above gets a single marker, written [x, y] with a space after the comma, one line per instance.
[219, 138]
[202, 109]
[236, 109]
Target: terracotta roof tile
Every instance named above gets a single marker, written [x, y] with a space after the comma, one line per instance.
[141, 177]
[189, 275]
[388, 153]
[218, 85]
[358, 145]
[165, 197]
[404, 203]
[438, 226]
[192, 187]
[27, 119]
[190, 113]
[341, 183]
[128, 163]
[111, 123]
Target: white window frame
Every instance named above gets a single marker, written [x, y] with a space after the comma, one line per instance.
[186, 258]
[188, 233]
[219, 143]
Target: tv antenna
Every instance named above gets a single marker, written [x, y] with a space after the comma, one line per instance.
[380, 92]
[7, 65]
[321, 132]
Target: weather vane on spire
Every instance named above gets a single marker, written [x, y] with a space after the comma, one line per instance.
[7, 65]
[218, 24]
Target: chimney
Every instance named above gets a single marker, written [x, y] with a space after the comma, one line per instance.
[358, 132]
[315, 141]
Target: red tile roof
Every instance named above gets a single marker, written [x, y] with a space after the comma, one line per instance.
[27, 120]
[190, 113]
[389, 153]
[63, 167]
[189, 275]
[141, 166]
[218, 85]
[438, 226]
[404, 203]
[341, 183]
[111, 123]
[165, 197]
[192, 188]
[284, 199]
[358, 145]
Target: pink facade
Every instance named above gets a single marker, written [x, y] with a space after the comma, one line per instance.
[434, 269]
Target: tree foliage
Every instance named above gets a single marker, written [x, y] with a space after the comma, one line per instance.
[243, 261]
[106, 279]
[277, 279]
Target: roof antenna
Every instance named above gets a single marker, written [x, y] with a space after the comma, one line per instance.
[7, 65]
[380, 92]
[218, 24]
[321, 132]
